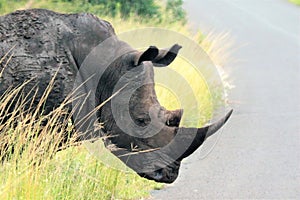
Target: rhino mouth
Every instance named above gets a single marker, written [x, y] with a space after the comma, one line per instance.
[164, 175]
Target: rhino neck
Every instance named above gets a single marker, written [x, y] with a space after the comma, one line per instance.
[105, 89]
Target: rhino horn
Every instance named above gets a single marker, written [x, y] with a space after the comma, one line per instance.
[192, 138]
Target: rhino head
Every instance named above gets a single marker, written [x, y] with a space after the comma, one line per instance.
[137, 129]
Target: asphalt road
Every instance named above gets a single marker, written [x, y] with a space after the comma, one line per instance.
[258, 155]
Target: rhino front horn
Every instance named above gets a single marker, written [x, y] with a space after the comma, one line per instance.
[191, 139]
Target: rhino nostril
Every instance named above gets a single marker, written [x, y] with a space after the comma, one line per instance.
[158, 174]
[173, 122]
[173, 117]
[168, 122]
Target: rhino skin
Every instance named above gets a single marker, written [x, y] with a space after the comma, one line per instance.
[44, 44]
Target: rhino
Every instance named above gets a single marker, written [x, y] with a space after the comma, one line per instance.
[43, 45]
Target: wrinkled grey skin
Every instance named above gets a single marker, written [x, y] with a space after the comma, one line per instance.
[46, 42]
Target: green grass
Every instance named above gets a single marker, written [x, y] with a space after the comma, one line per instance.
[297, 2]
[70, 174]
[74, 173]
[7, 6]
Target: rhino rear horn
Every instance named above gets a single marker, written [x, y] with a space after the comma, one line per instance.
[166, 56]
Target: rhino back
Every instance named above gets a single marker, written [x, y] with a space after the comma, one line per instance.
[44, 43]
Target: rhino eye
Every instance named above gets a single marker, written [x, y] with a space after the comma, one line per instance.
[142, 121]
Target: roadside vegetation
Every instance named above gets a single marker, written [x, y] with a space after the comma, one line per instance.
[32, 168]
[297, 2]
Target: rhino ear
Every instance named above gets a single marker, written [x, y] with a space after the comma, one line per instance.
[147, 55]
[166, 56]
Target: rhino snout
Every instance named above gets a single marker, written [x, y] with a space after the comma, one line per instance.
[164, 175]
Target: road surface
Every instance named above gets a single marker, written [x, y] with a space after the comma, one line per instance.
[258, 155]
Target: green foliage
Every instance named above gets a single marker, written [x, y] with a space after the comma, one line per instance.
[140, 10]
[175, 10]
[144, 8]
[9, 5]
[297, 2]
